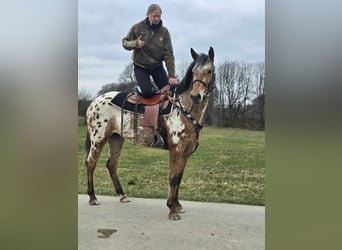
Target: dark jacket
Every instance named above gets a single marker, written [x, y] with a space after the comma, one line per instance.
[157, 48]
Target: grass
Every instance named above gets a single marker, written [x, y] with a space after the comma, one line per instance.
[228, 166]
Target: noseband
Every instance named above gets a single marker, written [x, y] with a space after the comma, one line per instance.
[187, 114]
[208, 89]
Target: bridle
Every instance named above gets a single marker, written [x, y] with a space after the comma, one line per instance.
[178, 105]
[208, 89]
[175, 101]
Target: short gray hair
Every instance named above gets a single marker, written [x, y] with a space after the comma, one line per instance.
[153, 7]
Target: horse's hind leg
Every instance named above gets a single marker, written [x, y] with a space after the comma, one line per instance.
[115, 146]
[91, 161]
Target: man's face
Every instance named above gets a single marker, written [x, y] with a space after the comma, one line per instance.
[154, 17]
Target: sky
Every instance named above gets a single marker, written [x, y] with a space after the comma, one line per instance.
[234, 28]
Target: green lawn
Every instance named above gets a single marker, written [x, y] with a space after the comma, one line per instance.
[228, 166]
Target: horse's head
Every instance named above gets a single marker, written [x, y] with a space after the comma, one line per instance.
[203, 81]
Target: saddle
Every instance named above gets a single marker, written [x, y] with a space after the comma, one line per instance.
[151, 108]
[139, 99]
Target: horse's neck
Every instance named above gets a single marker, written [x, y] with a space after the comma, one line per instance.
[197, 110]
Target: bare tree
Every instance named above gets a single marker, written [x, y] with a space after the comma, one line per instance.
[244, 88]
[124, 87]
[221, 93]
[260, 92]
[181, 69]
[228, 78]
[84, 95]
[260, 74]
[127, 75]
[126, 83]
[236, 81]
[84, 99]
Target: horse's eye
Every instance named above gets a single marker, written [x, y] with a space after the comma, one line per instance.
[210, 71]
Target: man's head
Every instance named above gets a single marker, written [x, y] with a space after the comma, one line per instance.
[154, 13]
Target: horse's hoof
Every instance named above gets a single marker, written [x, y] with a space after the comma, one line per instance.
[124, 199]
[180, 209]
[174, 216]
[94, 202]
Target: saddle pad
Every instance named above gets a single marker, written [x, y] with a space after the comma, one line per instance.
[119, 100]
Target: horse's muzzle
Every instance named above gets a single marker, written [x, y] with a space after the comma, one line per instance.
[197, 99]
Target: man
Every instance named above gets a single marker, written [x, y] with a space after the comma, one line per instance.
[151, 44]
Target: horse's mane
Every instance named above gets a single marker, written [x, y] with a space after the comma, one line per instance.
[186, 82]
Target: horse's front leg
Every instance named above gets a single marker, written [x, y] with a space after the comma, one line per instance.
[177, 165]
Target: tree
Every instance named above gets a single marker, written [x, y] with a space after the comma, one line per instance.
[245, 81]
[84, 100]
[127, 81]
[127, 76]
[260, 92]
[228, 73]
[181, 69]
[236, 89]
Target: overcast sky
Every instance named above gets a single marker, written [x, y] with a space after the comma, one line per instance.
[234, 28]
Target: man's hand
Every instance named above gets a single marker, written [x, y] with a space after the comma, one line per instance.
[140, 42]
[173, 81]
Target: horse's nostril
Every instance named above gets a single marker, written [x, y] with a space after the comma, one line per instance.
[196, 98]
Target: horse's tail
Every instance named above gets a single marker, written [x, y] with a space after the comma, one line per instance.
[86, 147]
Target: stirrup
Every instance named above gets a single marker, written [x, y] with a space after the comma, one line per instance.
[158, 141]
[138, 89]
[155, 91]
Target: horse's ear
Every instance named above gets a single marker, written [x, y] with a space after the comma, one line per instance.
[194, 54]
[211, 53]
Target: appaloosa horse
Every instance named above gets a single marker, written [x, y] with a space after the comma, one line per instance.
[181, 127]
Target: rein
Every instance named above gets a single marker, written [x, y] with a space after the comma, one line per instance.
[175, 101]
[187, 115]
[177, 104]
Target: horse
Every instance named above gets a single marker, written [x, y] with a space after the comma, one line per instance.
[108, 123]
